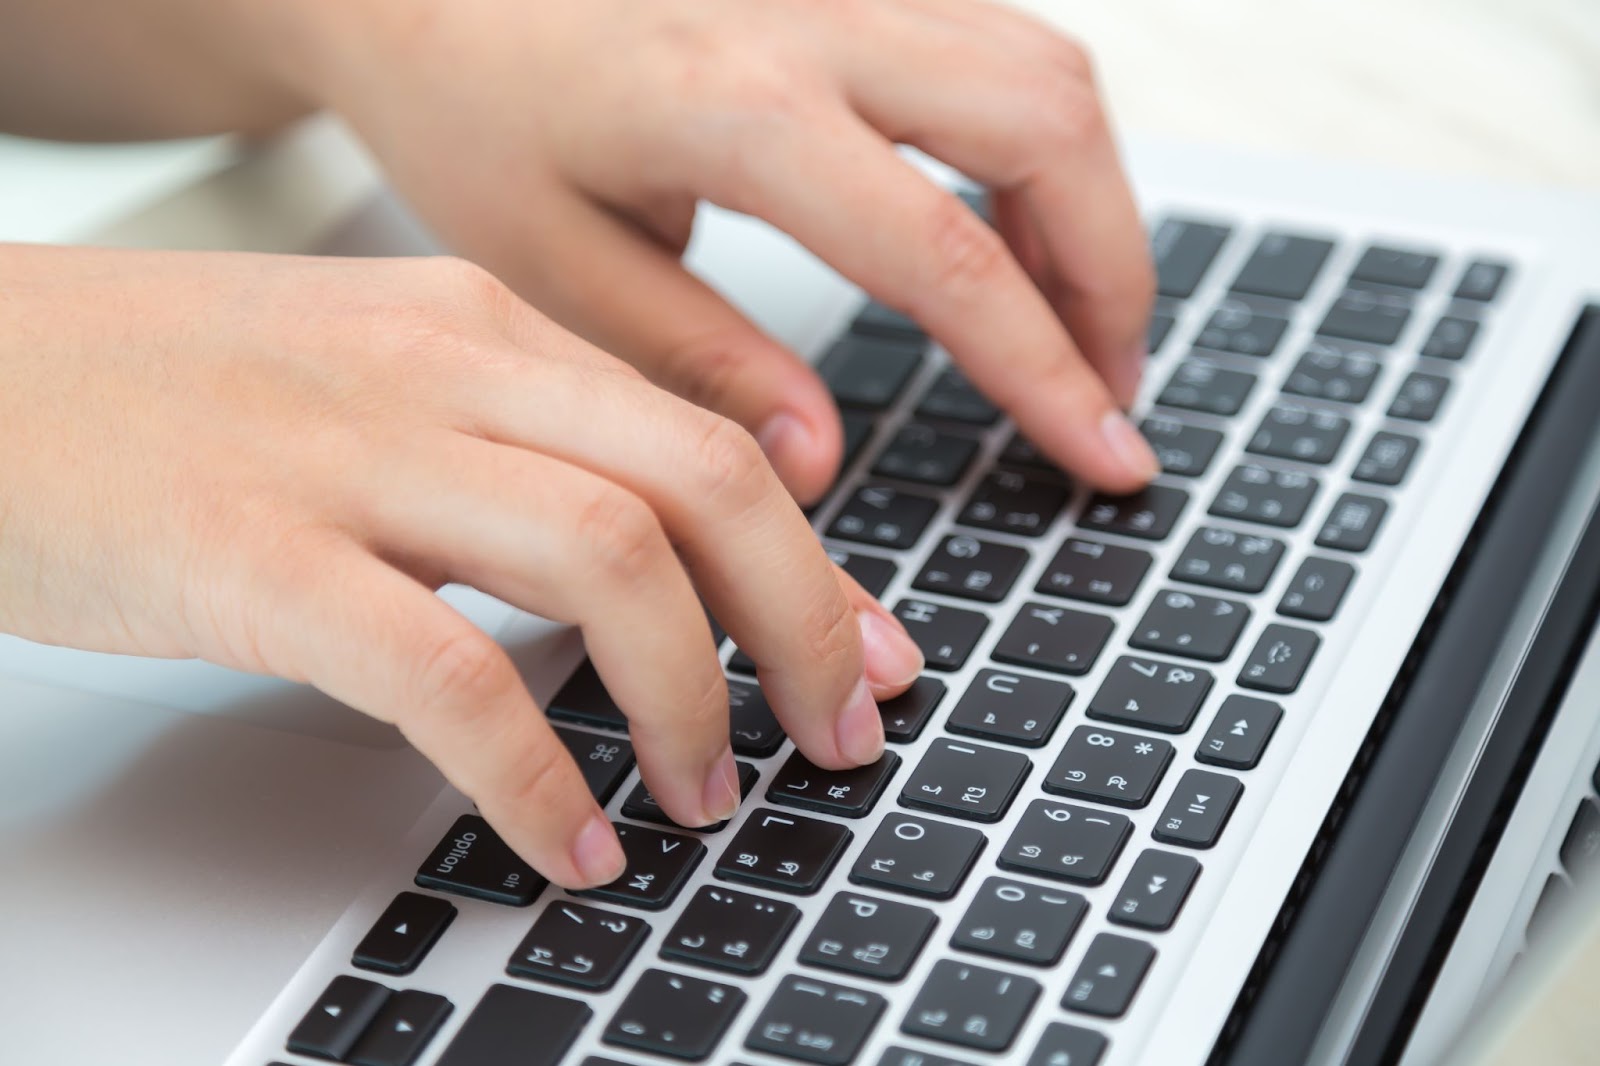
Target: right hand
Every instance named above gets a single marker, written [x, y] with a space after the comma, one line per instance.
[270, 463]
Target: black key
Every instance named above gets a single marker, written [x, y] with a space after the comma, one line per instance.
[1387, 459]
[1109, 767]
[1184, 450]
[894, 1055]
[1279, 659]
[1580, 849]
[870, 571]
[1155, 334]
[850, 793]
[815, 1021]
[946, 635]
[1094, 572]
[1198, 809]
[1149, 513]
[783, 851]
[1239, 733]
[400, 1032]
[659, 865]
[905, 715]
[729, 930]
[884, 321]
[858, 429]
[752, 727]
[1068, 1045]
[1154, 892]
[1283, 266]
[1015, 920]
[1228, 560]
[966, 780]
[1353, 523]
[642, 806]
[1289, 431]
[1237, 327]
[1067, 842]
[540, 1026]
[603, 761]
[874, 938]
[1013, 708]
[1183, 252]
[1262, 494]
[584, 699]
[1331, 372]
[1020, 451]
[953, 397]
[1451, 338]
[1419, 397]
[404, 933]
[675, 1015]
[877, 514]
[1053, 638]
[1111, 972]
[1367, 316]
[971, 568]
[1317, 589]
[473, 861]
[922, 453]
[1184, 623]
[1151, 694]
[1481, 280]
[1399, 267]
[572, 944]
[1013, 503]
[1198, 386]
[972, 1006]
[915, 855]
[868, 371]
[338, 1018]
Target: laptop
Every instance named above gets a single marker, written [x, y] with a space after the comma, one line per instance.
[1292, 757]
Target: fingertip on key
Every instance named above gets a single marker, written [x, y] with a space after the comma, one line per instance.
[597, 853]
[1128, 447]
[860, 728]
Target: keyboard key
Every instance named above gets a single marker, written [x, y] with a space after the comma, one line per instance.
[1451, 338]
[1419, 397]
[1481, 281]
[785, 852]
[874, 938]
[752, 727]
[971, 1006]
[905, 715]
[1053, 638]
[729, 930]
[1289, 431]
[642, 806]
[870, 571]
[1366, 316]
[889, 518]
[945, 635]
[1330, 372]
[338, 1018]
[966, 780]
[1198, 809]
[1399, 267]
[1183, 450]
[1020, 451]
[815, 1021]
[1109, 767]
[1317, 589]
[1013, 708]
[915, 855]
[1283, 266]
[400, 1032]
[953, 397]
[1095, 572]
[1068, 1045]
[1198, 386]
[1184, 251]
[894, 1055]
[404, 933]
[1353, 523]
[1158, 330]
[1183, 623]
[540, 1026]
[1151, 694]
[675, 1015]
[1237, 327]
[1014, 503]
[922, 453]
[1111, 972]
[1279, 659]
[584, 699]
[1154, 892]
[603, 761]
[1065, 841]
[850, 793]
[1387, 459]
[1148, 514]
[1580, 848]
[1261, 494]
[471, 860]
[973, 569]
[876, 318]
[868, 371]
[659, 864]
[1239, 733]
[858, 429]
[1228, 560]
[572, 944]
[1019, 921]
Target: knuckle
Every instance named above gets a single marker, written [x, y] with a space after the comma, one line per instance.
[464, 669]
[472, 287]
[706, 371]
[1068, 56]
[731, 471]
[830, 632]
[542, 779]
[967, 252]
[622, 535]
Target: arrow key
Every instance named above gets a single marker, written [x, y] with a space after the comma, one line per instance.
[336, 1020]
[1111, 972]
[401, 1030]
[404, 933]
[1155, 890]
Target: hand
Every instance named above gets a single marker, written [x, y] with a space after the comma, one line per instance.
[563, 144]
[270, 462]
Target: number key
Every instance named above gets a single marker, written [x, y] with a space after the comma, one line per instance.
[1151, 694]
[1110, 767]
[1065, 841]
[1181, 623]
[1225, 559]
[1015, 920]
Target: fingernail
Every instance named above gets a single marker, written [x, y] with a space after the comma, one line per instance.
[860, 728]
[1129, 446]
[721, 794]
[785, 440]
[597, 853]
[892, 657]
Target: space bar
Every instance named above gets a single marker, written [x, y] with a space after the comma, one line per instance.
[517, 1025]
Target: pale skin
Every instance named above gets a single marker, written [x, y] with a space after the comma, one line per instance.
[271, 462]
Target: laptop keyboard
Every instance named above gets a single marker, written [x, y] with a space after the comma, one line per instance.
[1103, 676]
